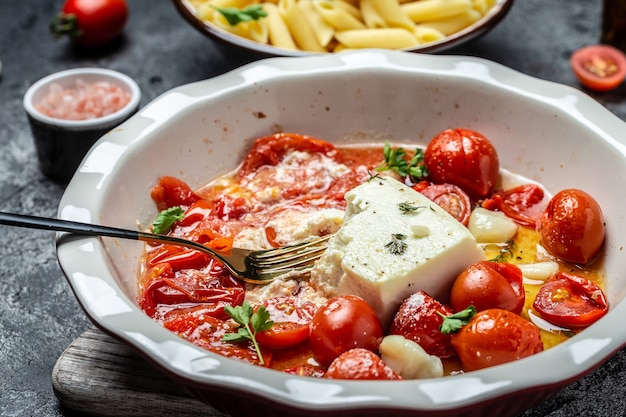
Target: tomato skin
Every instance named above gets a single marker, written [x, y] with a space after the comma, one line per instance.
[418, 319]
[464, 158]
[360, 363]
[572, 226]
[522, 204]
[570, 301]
[452, 199]
[494, 337]
[291, 317]
[344, 322]
[486, 285]
[98, 21]
[599, 67]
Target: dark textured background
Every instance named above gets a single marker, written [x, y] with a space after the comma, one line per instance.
[39, 316]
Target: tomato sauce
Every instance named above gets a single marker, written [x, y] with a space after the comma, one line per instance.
[284, 179]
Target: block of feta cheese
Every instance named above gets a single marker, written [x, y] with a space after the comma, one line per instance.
[394, 242]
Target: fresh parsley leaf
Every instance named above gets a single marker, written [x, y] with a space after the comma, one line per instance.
[167, 218]
[234, 16]
[454, 323]
[250, 323]
[395, 160]
[397, 246]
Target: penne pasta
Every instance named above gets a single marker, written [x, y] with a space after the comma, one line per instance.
[278, 32]
[454, 24]
[371, 17]
[392, 13]
[299, 26]
[426, 35]
[323, 31]
[389, 38]
[427, 10]
[339, 25]
[335, 16]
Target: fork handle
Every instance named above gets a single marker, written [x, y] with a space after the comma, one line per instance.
[44, 223]
[88, 229]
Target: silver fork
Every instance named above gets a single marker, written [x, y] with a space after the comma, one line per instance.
[255, 267]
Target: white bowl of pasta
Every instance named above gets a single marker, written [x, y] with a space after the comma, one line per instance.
[305, 27]
[325, 131]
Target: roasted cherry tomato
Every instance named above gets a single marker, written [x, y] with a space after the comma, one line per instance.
[572, 226]
[419, 319]
[291, 317]
[207, 332]
[521, 204]
[570, 301]
[488, 285]
[465, 158]
[494, 337]
[269, 150]
[452, 199]
[183, 290]
[599, 67]
[91, 22]
[171, 191]
[360, 363]
[344, 322]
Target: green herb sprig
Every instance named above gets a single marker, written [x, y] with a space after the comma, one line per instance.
[397, 246]
[167, 218]
[407, 208]
[234, 16]
[454, 323]
[250, 323]
[396, 161]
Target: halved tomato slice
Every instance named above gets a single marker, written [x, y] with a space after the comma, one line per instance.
[599, 67]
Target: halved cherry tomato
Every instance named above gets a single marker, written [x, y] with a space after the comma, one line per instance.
[521, 204]
[570, 301]
[419, 319]
[464, 158]
[486, 285]
[291, 317]
[360, 363]
[599, 67]
[452, 199]
[572, 226]
[494, 337]
[91, 22]
[344, 322]
[171, 191]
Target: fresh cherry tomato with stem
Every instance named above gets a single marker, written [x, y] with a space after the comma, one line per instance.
[344, 322]
[419, 319]
[464, 158]
[493, 337]
[599, 67]
[291, 317]
[488, 284]
[572, 226]
[360, 363]
[90, 22]
[452, 199]
[570, 301]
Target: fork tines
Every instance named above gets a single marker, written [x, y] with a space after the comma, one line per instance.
[286, 259]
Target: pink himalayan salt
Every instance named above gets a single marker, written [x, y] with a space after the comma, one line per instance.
[85, 101]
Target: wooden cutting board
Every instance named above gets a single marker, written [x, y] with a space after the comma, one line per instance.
[100, 376]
